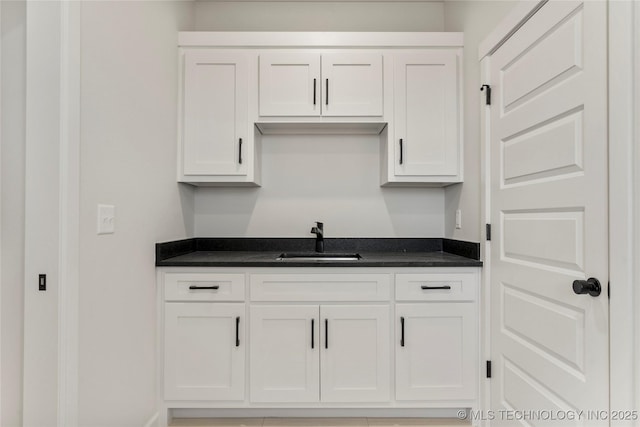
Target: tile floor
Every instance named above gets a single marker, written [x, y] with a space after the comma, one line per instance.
[318, 422]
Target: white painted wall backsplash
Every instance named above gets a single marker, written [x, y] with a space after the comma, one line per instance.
[329, 178]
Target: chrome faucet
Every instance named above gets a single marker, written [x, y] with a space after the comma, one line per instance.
[319, 232]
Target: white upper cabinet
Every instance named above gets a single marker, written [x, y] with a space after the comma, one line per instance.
[352, 84]
[427, 144]
[289, 84]
[215, 134]
[405, 88]
[307, 83]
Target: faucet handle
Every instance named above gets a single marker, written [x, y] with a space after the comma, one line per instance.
[320, 224]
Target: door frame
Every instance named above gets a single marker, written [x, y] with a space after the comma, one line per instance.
[61, 306]
[624, 194]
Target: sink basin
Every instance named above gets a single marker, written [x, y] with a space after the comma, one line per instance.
[317, 256]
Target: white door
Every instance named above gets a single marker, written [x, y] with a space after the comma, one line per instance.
[290, 84]
[204, 351]
[549, 345]
[215, 109]
[352, 84]
[435, 357]
[284, 355]
[427, 119]
[355, 353]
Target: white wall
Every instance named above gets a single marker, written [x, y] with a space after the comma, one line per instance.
[12, 169]
[332, 179]
[128, 152]
[318, 16]
[476, 19]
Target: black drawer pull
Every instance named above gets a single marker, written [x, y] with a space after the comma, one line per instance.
[214, 287]
[314, 91]
[401, 150]
[312, 333]
[425, 288]
[326, 333]
[238, 331]
[327, 98]
[402, 332]
[240, 151]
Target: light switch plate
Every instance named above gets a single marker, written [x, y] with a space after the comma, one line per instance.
[458, 219]
[106, 219]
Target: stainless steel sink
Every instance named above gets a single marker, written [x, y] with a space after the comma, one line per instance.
[317, 256]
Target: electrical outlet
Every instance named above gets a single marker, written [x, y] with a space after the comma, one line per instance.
[458, 219]
[106, 219]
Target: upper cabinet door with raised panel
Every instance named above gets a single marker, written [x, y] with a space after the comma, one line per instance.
[289, 84]
[352, 84]
[307, 83]
[215, 114]
[427, 145]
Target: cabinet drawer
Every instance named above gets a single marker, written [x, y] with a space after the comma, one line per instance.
[320, 287]
[436, 287]
[203, 287]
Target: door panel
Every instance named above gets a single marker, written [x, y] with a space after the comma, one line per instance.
[549, 209]
[288, 82]
[284, 358]
[355, 353]
[203, 360]
[435, 361]
[426, 114]
[215, 112]
[355, 84]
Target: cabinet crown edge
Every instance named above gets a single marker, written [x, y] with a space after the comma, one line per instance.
[299, 39]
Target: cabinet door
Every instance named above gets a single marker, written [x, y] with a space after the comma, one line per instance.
[427, 115]
[436, 352]
[355, 353]
[352, 84]
[289, 84]
[204, 351]
[215, 109]
[284, 355]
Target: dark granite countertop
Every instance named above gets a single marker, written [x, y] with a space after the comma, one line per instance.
[263, 252]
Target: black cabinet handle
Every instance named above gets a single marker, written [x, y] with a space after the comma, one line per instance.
[238, 331]
[240, 151]
[314, 91]
[401, 150]
[425, 288]
[312, 333]
[326, 333]
[326, 99]
[204, 287]
[402, 332]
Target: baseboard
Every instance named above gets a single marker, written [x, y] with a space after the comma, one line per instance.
[153, 421]
[316, 412]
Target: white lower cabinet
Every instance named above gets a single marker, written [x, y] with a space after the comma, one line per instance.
[327, 353]
[436, 356]
[355, 355]
[284, 357]
[204, 351]
[323, 338]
